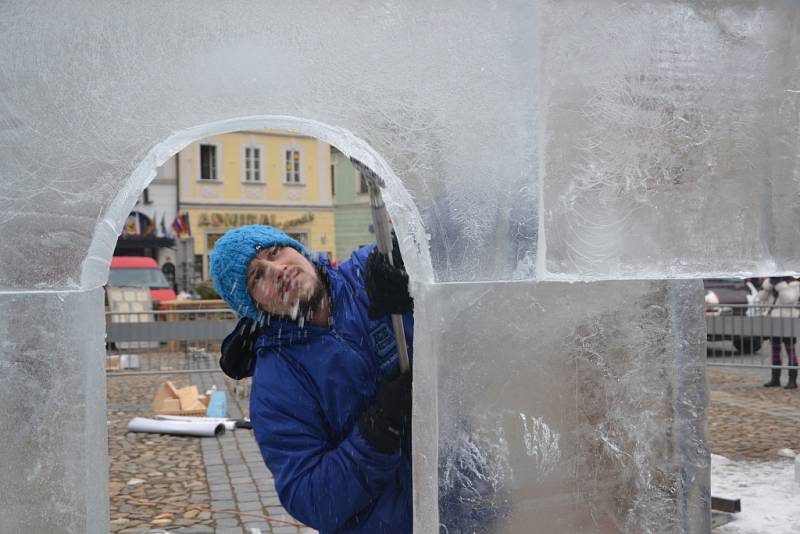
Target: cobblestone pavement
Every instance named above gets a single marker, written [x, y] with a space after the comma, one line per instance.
[748, 421]
[180, 484]
[150, 466]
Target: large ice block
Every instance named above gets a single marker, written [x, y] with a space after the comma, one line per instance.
[654, 138]
[572, 407]
[669, 136]
[54, 475]
[90, 88]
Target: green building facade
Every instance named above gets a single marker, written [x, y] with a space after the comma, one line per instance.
[353, 220]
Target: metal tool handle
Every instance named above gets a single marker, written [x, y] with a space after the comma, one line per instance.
[383, 237]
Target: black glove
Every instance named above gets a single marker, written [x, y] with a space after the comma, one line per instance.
[386, 284]
[238, 358]
[388, 420]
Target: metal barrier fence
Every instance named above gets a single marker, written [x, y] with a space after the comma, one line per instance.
[742, 335]
[161, 342]
[186, 341]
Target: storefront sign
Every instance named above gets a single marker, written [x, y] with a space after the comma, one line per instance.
[234, 220]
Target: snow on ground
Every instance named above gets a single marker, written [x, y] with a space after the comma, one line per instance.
[768, 491]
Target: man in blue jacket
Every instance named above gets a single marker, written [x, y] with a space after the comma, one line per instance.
[330, 410]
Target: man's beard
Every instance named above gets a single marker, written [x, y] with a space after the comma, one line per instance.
[311, 304]
[307, 307]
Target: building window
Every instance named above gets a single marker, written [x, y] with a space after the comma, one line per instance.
[252, 164]
[302, 237]
[333, 180]
[362, 184]
[293, 166]
[211, 240]
[208, 162]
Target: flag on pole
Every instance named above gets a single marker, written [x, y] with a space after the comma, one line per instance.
[185, 222]
[163, 226]
[177, 226]
[133, 224]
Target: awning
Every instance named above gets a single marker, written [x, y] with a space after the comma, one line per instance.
[128, 242]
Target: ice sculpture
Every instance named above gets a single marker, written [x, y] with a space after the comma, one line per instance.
[536, 141]
[568, 407]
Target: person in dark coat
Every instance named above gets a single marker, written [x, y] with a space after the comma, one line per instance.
[780, 295]
[329, 407]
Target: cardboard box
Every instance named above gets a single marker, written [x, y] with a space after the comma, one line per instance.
[170, 400]
[112, 363]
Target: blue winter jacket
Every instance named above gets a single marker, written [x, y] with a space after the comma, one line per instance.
[310, 386]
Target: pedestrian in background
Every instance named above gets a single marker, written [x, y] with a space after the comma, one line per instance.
[780, 294]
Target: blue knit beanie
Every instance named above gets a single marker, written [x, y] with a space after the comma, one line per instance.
[231, 258]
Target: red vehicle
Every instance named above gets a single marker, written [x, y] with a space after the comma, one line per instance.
[140, 271]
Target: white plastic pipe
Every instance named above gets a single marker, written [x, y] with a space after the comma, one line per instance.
[230, 424]
[178, 428]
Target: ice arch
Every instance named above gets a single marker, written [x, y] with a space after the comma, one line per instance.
[94, 272]
[66, 396]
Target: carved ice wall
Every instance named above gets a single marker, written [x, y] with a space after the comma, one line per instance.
[536, 141]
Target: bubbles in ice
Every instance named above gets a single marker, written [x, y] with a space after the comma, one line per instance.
[525, 268]
[476, 466]
[541, 444]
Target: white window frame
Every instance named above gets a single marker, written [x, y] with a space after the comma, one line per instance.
[300, 172]
[261, 166]
[217, 179]
[300, 235]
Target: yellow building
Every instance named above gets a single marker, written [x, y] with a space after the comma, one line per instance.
[257, 177]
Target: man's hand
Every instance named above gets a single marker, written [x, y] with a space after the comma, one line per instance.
[387, 285]
[388, 420]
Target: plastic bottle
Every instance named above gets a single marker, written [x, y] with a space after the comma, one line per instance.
[218, 403]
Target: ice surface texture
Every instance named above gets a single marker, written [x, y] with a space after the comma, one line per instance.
[572, 407]
[53, 418]
[669, 132]
[612, 116]
[90, 88]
